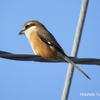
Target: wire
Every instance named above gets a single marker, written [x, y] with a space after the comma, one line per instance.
[75, 49]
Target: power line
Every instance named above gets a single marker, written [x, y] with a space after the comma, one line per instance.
[75, 49]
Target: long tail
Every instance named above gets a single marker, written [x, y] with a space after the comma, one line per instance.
[65, 57]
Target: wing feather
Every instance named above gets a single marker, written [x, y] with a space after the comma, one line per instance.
[49, 39]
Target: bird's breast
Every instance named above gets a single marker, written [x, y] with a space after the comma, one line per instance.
[42, 49]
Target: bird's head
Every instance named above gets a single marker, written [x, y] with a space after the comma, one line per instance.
[31, 26]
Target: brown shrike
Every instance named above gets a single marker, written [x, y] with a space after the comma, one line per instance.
[44, 44]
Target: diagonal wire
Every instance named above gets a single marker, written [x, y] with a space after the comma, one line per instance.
[75, 49]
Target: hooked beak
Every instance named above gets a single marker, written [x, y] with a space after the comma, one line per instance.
[21, 32]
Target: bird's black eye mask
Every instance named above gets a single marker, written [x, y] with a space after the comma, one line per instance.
[28, 26]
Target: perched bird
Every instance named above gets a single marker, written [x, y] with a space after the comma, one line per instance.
[44, 44]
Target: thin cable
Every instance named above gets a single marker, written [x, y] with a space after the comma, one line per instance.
[36, 58]
[75, 49]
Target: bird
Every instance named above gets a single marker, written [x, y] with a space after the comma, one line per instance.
[44, 44]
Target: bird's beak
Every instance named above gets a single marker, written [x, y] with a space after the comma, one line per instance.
[21, 32]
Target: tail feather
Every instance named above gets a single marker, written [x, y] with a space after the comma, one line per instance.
[66, 58]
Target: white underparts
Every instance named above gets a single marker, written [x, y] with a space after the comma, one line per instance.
[29, 31]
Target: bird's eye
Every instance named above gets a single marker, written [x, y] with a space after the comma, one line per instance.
[28, 26]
